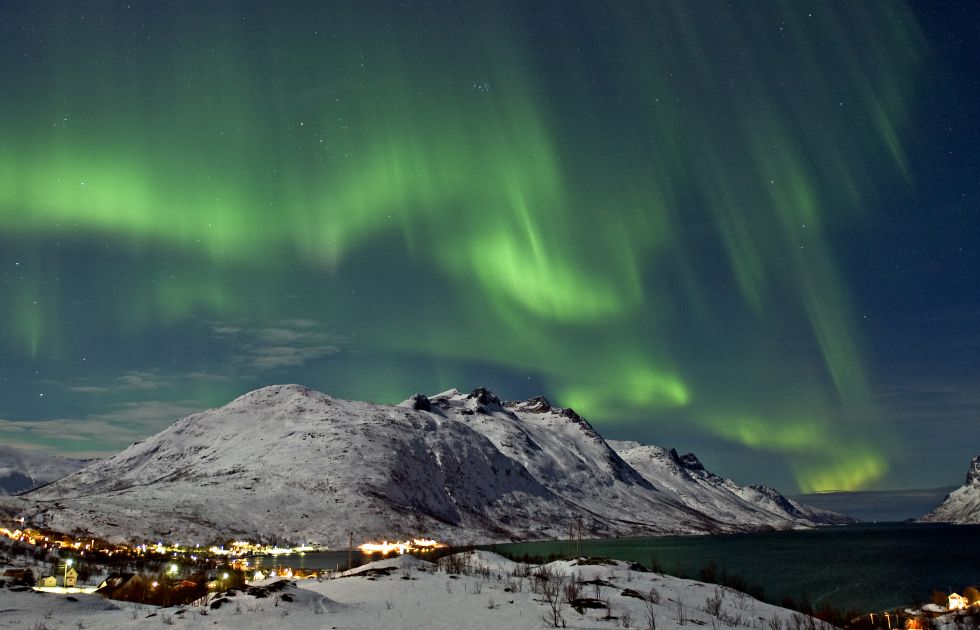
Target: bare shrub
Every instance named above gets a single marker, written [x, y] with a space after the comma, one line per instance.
[551, 586]
[626, 619]
[774, 623]
[741, 600]
[651, 614]
[454, 564]
[572, 591]
[654, 595]
[712, 605]
[681, 612]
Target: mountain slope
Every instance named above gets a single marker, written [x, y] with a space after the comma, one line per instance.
[22, 470]
[285, 463]
[693, 485]
[962, 506]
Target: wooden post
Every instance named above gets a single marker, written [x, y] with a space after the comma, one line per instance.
[350, 552]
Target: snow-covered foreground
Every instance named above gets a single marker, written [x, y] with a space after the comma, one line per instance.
[471, 590]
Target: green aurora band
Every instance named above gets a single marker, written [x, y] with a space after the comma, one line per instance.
[637, 203]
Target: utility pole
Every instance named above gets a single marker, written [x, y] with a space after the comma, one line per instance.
[350, 552]
[571, 538]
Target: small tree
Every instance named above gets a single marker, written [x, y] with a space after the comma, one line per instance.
[552, 588]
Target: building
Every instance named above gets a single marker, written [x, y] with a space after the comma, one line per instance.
[123, 586]
[48, 581]
[957, 602]
[71, 577]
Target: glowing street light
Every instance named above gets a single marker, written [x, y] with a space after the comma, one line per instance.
[68, 564]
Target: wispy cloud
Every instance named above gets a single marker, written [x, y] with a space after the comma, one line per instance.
[283, 344]
[97, 435]
[141, 381]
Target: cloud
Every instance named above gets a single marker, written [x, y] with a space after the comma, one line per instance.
[141, 381]
[97, 435]
[285, 343]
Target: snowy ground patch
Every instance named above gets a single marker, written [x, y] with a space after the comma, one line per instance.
[466, 590]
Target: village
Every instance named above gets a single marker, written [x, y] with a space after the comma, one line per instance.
[171, 574]
[165, 573]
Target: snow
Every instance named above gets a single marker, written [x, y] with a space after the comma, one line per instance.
[961, 506]
[403, 593]
[288, 464]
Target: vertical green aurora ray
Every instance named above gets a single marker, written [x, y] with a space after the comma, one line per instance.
[590, 217]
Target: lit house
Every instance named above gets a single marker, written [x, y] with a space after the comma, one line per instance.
[48, 580]
[957, 602]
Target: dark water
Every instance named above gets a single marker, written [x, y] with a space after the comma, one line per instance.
[855, 567]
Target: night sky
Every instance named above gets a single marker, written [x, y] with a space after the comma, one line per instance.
[748, 230]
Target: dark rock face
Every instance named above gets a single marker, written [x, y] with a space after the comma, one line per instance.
[421, 403]
[691, 461]
[486, 401]
[538, 404]
[973, 475]
[485, 397]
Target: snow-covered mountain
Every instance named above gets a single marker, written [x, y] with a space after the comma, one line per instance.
[962, 505]
[285, 463]
[687, 478]
[22, 470]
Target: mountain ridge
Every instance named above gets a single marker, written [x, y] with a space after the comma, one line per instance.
[961, 506]
[287, 463]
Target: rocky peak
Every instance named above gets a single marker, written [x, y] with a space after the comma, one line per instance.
[419, 402]
[486, 400]
[973, 475]
[689, 461]
[538, 404]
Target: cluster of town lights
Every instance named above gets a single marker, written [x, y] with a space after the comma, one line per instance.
[237, 549]
[384, 548]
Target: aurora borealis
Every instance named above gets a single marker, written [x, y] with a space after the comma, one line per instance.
[747, 231]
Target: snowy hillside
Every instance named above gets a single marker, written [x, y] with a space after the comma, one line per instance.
[22, 470]
[285, 463]
[962, 506]
[475, 590]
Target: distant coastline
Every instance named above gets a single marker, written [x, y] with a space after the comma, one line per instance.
[883, 506]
